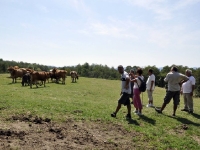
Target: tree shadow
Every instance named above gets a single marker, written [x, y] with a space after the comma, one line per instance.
[184, 120]
[147, 119]
[131, 121]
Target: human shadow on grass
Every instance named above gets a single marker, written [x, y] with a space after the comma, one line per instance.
[195, 115]
[184, 120]
[147, 119]
[131, 121]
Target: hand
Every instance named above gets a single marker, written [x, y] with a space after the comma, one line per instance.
[191, 94]
[181, 92]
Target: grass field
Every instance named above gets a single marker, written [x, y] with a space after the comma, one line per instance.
[95, 99]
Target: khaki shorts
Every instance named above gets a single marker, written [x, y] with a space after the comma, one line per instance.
[150, 95]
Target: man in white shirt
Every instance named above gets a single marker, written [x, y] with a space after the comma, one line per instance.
[150, 87]
[187, 91]
[125, 93]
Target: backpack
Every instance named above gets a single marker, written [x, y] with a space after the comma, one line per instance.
[143, 85]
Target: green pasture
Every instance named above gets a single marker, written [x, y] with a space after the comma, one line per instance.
[95, 99]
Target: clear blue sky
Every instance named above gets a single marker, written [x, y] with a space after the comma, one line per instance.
[107, 32]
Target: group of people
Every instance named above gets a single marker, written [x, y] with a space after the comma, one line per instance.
[178, 83]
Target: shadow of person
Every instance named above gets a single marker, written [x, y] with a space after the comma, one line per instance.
[185, 121]
[131, 121]
[147, 119]
[195, 115]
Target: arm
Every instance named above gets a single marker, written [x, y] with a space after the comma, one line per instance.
[133, 80]
[152, 82]
[181, 83]
[127, 83]
[193, 87]
[166, 78]
[181, 92]
[184, 78]
[152, 79]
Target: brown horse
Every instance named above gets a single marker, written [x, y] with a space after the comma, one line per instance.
[74, 76]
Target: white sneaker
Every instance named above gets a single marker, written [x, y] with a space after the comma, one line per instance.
[149, 105]
[139, 114]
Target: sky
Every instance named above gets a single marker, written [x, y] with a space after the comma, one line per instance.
[107, 32]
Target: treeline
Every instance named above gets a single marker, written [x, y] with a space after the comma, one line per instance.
[105, 72]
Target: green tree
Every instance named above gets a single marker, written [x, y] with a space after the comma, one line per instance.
[196, 74]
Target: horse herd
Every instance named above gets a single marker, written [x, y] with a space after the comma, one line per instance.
[30, 77]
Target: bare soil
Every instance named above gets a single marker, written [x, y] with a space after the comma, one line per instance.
[31, 132]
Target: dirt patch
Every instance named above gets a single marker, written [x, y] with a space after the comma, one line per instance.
[28, 132]
[179, 130]
[197, 139]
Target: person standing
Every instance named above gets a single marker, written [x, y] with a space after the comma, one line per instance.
[132, 76]
[150, 87]
[173, 78]
[125, 93]
[136, 98]
[187, 90]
